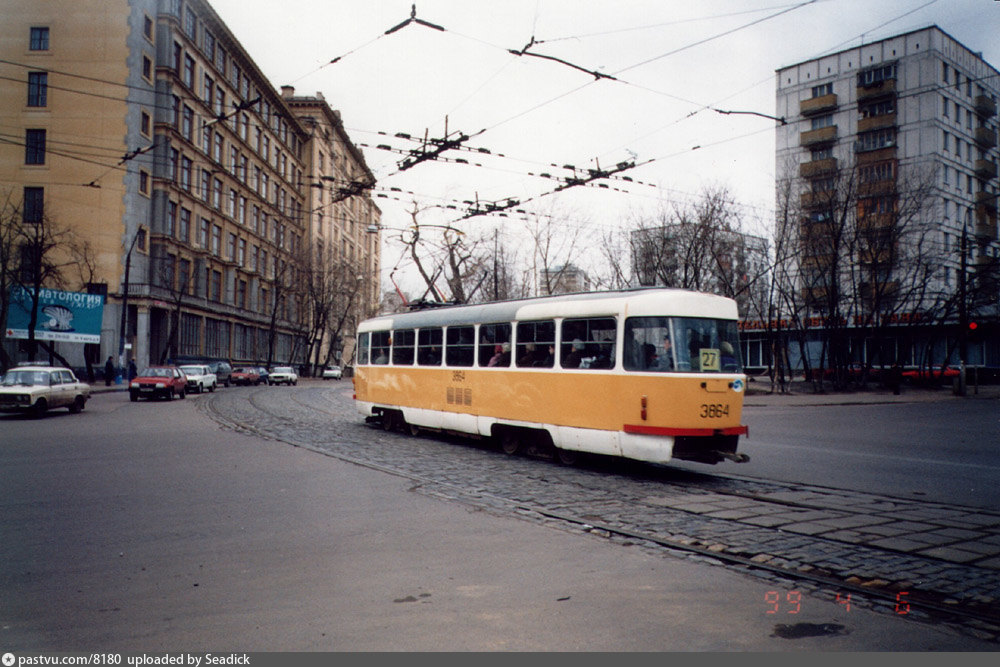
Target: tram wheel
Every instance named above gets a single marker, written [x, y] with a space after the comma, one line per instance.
[510, 443]
[567, 457]
[414, 429]
[388, 421]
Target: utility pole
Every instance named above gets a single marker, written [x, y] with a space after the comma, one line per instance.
[124, 317]
[963, 314]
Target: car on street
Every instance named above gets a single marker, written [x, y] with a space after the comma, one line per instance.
[223, 371]
[245, 375]
[158, 382]
[332, 373]
[926, 374]
[199, 378]
[282, 375]
[34, 389]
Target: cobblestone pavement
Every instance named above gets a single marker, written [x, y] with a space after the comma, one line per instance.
[925, 559]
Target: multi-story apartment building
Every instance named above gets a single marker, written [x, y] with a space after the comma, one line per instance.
[887, 170]
[344, 230]
[147, 130]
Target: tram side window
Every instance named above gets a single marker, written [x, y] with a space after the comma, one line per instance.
[403, 342]
[588, 343]
[429, 347]
[461, 347]
[363, 349]
[536, 344]
[494, 345]
[380, 347]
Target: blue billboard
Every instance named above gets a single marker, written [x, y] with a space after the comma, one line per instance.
[74, 317]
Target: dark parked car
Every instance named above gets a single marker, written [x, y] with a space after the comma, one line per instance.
[223, 372]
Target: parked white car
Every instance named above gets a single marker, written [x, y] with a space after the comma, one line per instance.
[282, 375]
[332, 373]
[37, 388]
[199, 378]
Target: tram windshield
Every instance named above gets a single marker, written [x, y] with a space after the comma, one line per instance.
[683, 344]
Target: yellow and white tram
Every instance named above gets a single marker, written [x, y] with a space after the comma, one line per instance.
[646, 374]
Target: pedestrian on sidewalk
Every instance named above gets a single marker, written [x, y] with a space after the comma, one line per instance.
[109, 372]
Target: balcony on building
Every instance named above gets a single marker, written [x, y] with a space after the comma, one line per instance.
[986, 220]
[987, 200]
[984, 106]
[817, 105]
[885, 88]
[986, 169]
[823, 135]
[818, 200]
[986, 137]
[876, 122]
[815, 168]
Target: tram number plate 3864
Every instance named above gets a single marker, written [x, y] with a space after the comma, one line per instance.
[714, 410]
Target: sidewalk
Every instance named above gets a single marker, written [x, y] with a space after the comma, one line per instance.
[801, 393]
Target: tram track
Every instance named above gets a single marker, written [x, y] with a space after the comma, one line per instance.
[702, 514]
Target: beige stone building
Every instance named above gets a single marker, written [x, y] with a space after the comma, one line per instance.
[343, 227]
[145, 128]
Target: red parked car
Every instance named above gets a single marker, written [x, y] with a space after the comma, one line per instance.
[158, 382]
[245, 375]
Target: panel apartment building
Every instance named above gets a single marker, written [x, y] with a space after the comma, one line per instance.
[145, 129]
[887, 168]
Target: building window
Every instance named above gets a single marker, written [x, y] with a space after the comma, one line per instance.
[34, 147]
[184, 226]
[820, 91]
[189, 71]
[186, 166]
[171, 219]
[822, 121]
[877, 75]
[190, 23]
[216, 286]
[140, 239]
[145, 123]
[144, 182]
[870, 141]
[944, 72]
[217, 195]
[203, 232]
[147, 27]
[187, 123]
[216, 240]
[38, 86]
[208, 90]
[147, 68]
[33, 204]
[39, 39]
[231, 247]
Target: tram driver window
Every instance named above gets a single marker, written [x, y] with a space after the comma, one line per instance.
[429, 347]
[536, 344]
[692, 344]
[494, 345]
[380, 347]
[588, 343]
[403, 342]
[363, 349]
[461, 348]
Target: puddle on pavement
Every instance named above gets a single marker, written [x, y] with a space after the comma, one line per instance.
[802, 630]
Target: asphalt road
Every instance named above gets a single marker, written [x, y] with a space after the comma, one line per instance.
[942, 451]
[146, 527]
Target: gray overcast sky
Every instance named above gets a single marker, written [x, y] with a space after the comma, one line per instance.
[673, 61]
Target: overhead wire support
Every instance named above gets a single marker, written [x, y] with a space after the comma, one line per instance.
[418, 155]
[413, 19]
[524, 52]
